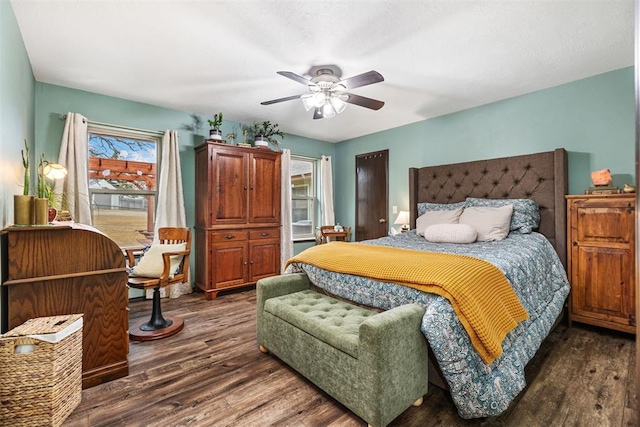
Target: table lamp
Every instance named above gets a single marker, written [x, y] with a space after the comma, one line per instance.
[403, 219]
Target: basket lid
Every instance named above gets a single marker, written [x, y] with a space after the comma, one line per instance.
[51, 329]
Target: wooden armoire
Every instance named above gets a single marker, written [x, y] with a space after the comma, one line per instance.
[237, 216]
[601, 260]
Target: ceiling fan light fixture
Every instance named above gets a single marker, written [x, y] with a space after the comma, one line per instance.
[307, 101]
[337, 103]
[328, 111]
[313, 100]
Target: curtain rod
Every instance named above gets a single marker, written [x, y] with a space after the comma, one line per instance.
[92, 122]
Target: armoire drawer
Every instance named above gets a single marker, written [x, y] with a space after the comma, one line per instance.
[229, 235]
[264, 233]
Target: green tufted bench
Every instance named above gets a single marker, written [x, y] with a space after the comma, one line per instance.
[375, 364]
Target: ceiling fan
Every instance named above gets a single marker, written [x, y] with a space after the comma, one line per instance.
[328, 94]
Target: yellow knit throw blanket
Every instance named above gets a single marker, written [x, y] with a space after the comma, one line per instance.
[480, 294]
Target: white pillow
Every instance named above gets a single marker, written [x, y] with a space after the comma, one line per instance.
[436, 217]
[151, 263]
[451, 233]
[490, 223]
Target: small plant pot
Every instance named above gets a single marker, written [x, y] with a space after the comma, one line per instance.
[42, 211]
[53, 214]
[23, 210]
[215, 134]
[261, 141]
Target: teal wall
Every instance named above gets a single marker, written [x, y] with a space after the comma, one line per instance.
[54, 101]
[17, 105]
[16, 110]
[593, 119]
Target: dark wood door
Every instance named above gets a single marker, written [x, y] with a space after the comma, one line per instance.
[372, 195]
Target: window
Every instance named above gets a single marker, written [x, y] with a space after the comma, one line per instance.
[303, 197]
[122, 183]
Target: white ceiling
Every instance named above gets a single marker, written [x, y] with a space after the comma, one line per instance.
[436, 57]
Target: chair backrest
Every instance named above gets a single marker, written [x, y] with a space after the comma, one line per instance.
[172, 235]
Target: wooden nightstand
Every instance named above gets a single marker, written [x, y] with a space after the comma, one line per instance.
[601, 260]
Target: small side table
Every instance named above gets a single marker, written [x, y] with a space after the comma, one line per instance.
[335, 235]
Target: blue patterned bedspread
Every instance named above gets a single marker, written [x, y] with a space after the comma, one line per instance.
[531, 265]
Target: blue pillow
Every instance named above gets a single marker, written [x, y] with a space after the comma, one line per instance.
[429, 207]
[525, 218]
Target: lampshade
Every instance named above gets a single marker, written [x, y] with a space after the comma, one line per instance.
[313, 100]
[338, 103]
[403, 219]
[54, 171]
[328, 111]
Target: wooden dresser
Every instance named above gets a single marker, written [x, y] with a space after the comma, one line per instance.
[69, 269]
[237, 216]
[601, 260]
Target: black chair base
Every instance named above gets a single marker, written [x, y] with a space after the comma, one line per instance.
[157, 327]
[137, 334]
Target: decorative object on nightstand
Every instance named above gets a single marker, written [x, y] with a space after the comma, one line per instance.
[628, 188]
[403, 219]
[601, 179]
[601, 260]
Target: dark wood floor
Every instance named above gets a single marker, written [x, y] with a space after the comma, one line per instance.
[212, 374]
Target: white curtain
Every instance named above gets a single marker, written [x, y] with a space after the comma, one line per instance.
[326, 200]
[170, 202]
[286, 236]
[74, 156]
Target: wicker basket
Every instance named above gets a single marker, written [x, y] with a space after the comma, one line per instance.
[41, 371]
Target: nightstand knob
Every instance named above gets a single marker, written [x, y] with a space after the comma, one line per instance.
[575, 243]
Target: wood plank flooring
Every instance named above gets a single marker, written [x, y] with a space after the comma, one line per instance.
[212, 374]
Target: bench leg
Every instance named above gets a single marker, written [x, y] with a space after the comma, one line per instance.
[264, 349]
[418, 402]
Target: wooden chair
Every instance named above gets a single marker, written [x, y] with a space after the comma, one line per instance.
[328, 231]
[159, 327]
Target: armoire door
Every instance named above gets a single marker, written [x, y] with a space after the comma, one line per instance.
[230, 178]
[264, 188]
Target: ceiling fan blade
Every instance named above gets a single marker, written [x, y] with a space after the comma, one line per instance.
[363, 79]
[317, 114]
[287, 98]
[363, 101]
[294, 76]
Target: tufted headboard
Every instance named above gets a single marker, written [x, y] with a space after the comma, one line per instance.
[541, 177]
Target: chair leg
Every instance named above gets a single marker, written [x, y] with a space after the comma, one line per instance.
[156, 321]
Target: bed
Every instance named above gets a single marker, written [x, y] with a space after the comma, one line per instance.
[534, 264]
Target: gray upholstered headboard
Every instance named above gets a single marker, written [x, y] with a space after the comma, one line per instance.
[541, 177]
